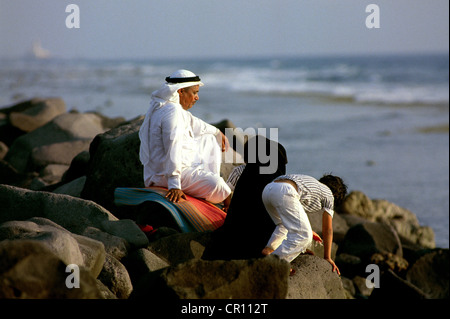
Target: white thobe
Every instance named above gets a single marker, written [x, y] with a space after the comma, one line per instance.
[183, 153]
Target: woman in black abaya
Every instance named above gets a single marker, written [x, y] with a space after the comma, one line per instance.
[248, 226]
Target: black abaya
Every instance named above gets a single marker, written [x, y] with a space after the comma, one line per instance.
[248, 226]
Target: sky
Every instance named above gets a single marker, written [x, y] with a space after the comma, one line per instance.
[111, 29]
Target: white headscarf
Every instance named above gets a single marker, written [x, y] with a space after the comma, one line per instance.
[167, 93]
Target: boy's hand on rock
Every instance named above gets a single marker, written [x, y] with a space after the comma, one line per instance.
[334, 265]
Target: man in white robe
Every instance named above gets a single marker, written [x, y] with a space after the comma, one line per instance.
[178, 150]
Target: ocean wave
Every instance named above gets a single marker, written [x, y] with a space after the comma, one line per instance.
[367, 92]
[389, 81]
[392, 80]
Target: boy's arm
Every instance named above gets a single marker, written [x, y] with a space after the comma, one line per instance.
[327, 235]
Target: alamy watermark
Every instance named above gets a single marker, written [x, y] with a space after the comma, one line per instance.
[73, 19]
[261, 149]
[256, 148]
[373, 279]
[73, 280]
[373, 19]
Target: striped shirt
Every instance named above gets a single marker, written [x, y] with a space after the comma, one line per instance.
[234, 176]
[315, 197]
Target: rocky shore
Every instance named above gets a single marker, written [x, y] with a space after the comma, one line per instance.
[58, 172]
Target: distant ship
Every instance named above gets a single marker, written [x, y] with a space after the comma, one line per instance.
[39, 52]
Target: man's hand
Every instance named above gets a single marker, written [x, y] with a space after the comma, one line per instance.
[267, 251]
[226, 203]
[317, 238]
[175, 195]
[225, 143]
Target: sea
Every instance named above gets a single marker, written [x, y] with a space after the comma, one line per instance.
[379, 122]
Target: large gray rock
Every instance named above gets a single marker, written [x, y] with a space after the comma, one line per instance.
[37, 113]
[58, 153]
[64, 129]
[314, 279]
[30, 270]
[178, 248]
[10, 176]
[264, 278]
[73, 214]
[340, 226]
[61, 243]
[393, 287]
[115, 246]
[114, 162]
[50, 174]
[72, 188]
[430, 273]
[364, 240]
[115, 276]
[70, 248]
[402, 220]
[3, 150]
[142, 261]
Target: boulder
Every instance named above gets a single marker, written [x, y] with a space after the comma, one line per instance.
[402, 220]
[390, 261]
[128, 230]
[349, 265]
[10, 176]
[114, 162]
[104, 291]
[51, 174]
[264, 278]
[181, 247]
[72, 188]
[318, 249]
[115, 246]
[430, 273]
[78, 167]
[70, 248]
[361, 287]
[108, 122]
[68, 129]
[30, 270]
[349, 287]
[58, 153]
[142, 261]
[364, 240]
[59, 242]
[115, 277]
[340, 226]
[393, 287]
[37, 113]
[314, 279]
[3, 150]
[73, 214]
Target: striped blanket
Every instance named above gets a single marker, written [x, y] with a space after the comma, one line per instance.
[191, 215]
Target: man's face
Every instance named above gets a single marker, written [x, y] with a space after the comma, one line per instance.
[188, 96]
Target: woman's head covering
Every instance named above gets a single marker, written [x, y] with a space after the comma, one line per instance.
[167, 93]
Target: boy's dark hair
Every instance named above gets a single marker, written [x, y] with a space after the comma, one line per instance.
[337, 187]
